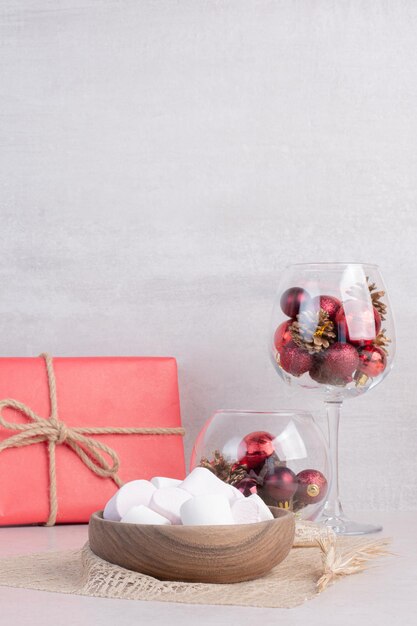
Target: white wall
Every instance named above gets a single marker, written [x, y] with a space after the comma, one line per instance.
[161, 161]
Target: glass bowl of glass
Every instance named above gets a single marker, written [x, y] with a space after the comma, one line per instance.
[281, 456]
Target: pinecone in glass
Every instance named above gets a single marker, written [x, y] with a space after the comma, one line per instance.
[382, 341]
[376, 296]
[227, 472]
[358, 292]
[313, 330]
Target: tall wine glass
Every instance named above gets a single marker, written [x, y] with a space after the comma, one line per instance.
[332, 333]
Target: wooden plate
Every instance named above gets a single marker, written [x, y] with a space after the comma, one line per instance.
[211, 554]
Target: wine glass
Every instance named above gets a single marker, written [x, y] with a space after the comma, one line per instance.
[332, 332]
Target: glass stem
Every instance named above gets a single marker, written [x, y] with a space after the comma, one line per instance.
[333, 507]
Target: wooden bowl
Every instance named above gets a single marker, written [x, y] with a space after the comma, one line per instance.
[210, 554]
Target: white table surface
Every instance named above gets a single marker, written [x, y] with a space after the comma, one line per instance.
[385, 594]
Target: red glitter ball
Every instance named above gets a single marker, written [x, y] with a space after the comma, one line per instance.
[293, 299]
[328, 303]
[336, 366]
[357, 318]
[324, 376]
[255, 448]
[312, 486]
[281, 484]
[341, 359]
[294, 360]
[372, 361]
[282, 335]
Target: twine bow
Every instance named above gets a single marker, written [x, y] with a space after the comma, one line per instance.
[55, 432]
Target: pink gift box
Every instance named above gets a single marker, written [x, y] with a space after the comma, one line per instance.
[91, 392]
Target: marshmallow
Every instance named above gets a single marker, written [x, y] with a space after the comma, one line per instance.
[201, 482]
[160, 482]
[250, 510]
[207, 510]
[264, 510]
[168, 501]
[235, 494]
[131, 494]
[144, 515]
[245, 512]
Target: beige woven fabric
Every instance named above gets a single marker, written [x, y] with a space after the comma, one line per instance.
[81, 572]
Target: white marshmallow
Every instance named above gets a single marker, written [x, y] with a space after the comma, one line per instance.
[168, 501]
[264, 511]
[202, 482]
[235, 494]
[159, 482]
[130, 494]
[245, 512]
[250, 510]
[207, 510]
[110, 510]
[144, 515]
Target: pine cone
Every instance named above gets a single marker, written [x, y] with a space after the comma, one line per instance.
[313, 331]
[357, 291]
[230, 473]
[382, 341]
[376, 296]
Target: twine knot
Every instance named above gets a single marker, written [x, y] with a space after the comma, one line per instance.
[60, 434]
[55, 432]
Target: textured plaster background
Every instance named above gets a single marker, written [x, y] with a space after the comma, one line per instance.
[161, 161]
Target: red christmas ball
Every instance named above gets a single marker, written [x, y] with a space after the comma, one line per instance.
[280, 485]
[341, 359]
[294, 360]
[372, 361]
[282, 335]
[293, 299]
[255, 448]
[312, 486]
[321, 375]
[328, 303]
[247, 486]
[336, 365]
[357, 323]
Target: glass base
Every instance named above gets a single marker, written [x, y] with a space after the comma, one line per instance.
[341, 525]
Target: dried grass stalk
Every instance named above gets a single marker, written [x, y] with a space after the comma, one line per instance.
[338, 563]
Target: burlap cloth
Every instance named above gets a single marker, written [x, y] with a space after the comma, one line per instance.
[318, 560]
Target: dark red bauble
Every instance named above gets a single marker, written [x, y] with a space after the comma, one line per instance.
[293, 299]
[372, 361]
[320, 374]
[294, 360]
[336, 365]
[247, 486]
[282, 335]
[328, 303]
[255, 448]
[280, 485]
[357, 323]
[312, 486]
[341, 359]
